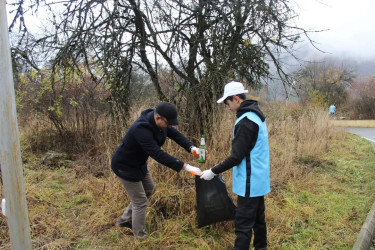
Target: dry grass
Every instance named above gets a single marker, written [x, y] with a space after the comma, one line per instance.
[77, 208]
[296, 133]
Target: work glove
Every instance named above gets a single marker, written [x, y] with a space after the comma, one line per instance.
[195, 151]
[207, 175]
[193, 170]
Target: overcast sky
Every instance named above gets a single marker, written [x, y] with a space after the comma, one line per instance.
[350, 24]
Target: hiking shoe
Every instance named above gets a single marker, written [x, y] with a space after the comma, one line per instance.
[125, 223]
[141, 236]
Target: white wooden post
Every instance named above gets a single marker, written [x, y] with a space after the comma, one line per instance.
[10, 153]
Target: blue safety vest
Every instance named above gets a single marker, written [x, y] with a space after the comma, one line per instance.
[251, 178]
[332, 109]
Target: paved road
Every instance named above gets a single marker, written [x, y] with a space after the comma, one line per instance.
[367, 133]
[366, 235]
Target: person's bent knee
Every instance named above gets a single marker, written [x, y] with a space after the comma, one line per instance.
[151, 192]
[140, 203]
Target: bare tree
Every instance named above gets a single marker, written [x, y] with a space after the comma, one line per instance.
[324, 82]
[203, 43]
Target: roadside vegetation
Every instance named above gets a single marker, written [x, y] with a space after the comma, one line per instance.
[322, 187]
[86, 77]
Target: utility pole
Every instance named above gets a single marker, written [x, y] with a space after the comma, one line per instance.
[10, 153]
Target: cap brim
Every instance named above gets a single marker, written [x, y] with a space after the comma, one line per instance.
[173, 122]
[221, 99]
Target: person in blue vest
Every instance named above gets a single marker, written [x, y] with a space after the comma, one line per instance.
[250, 164]
[332, 110]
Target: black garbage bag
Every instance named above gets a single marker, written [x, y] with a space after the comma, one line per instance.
[213, 201]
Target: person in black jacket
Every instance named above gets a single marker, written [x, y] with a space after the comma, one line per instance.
[143, 139]
[250, 162]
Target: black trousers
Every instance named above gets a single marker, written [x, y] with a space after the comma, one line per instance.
[250, 216]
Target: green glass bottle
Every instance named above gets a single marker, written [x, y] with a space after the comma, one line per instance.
[202, 151]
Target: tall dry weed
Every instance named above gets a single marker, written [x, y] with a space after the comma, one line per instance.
[295, 132]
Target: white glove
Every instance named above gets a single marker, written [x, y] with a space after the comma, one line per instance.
[193, 170]
[195, 151]
[207, 175]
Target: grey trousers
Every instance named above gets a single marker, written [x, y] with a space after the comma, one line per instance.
[138, 192]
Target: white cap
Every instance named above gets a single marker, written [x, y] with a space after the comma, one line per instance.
[232, 88]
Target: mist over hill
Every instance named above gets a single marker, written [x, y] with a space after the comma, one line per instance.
[361, 67]
[356, 62]
[366, 68]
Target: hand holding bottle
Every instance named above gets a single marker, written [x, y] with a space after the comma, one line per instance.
[195, 151]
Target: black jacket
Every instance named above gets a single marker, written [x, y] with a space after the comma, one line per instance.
[142, 140]
[245, 137]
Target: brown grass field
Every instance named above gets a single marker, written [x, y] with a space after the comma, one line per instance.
[322, 187]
